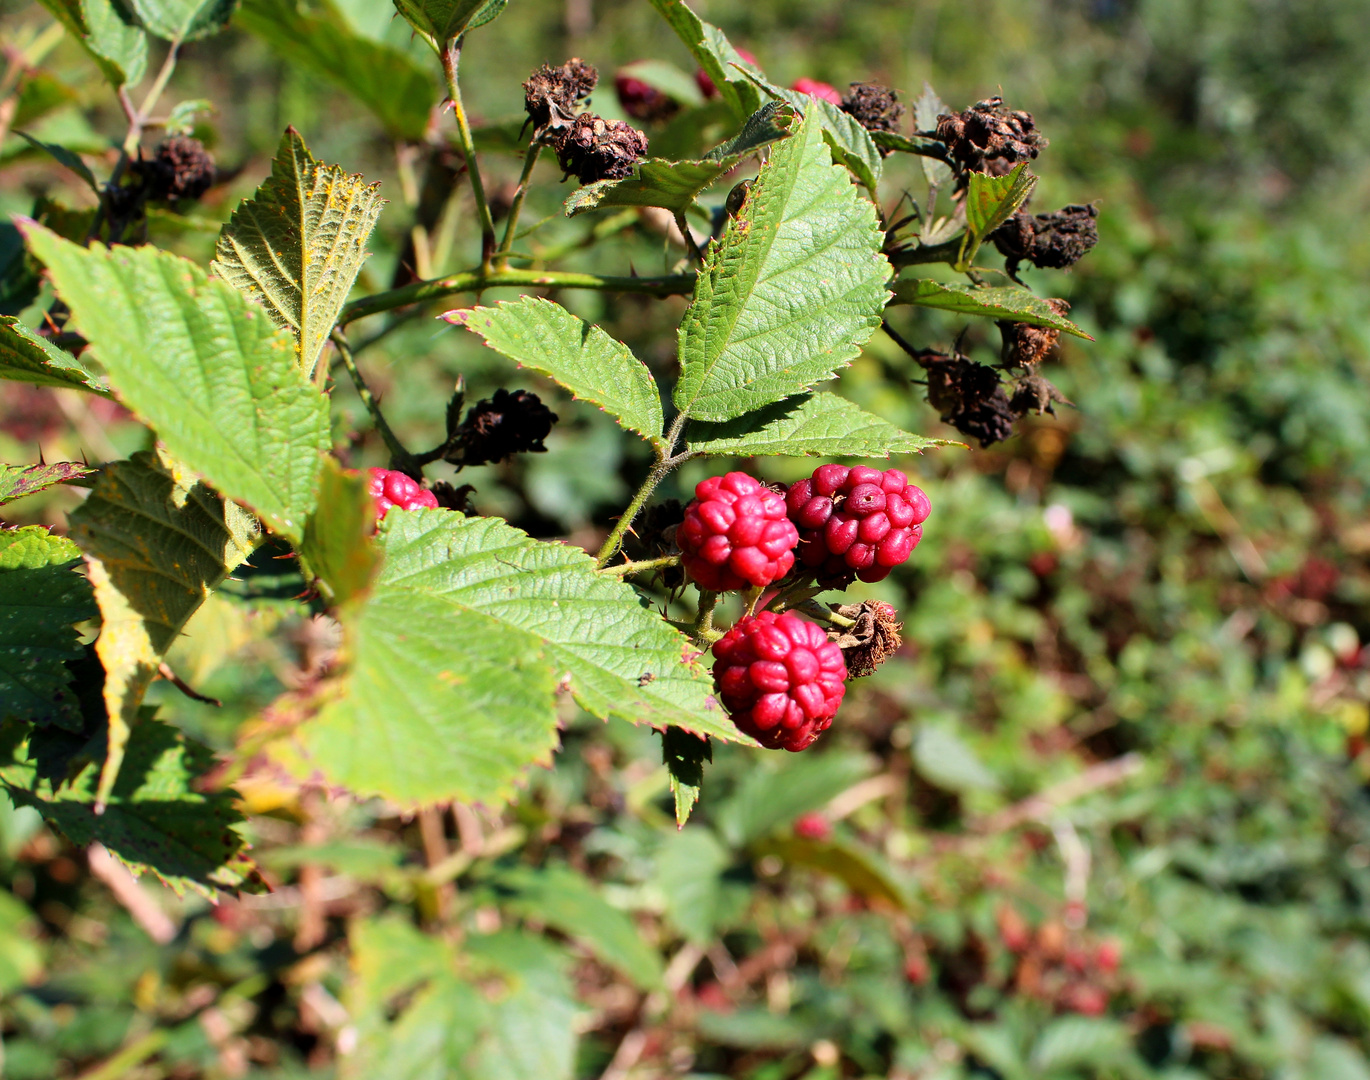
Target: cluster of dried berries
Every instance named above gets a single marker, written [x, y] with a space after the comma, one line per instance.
[990, 137]
[496, 428]
[875, 107]
[1052, 241]
[587, 146]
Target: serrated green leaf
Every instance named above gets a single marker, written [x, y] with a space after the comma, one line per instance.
[26, 357]
[824, 425]
[202, 364]
[991, 201]
[684, 756]
[118, 49]
[675, 185]
[791, 290]
[714, 54]
[569, 903]
[69, 158]
[317, 38]
[1005, 302]
[849, 142]
[155, 819]
[544, 336]
[944, 759]
[182, 20]
[298, 244]
[441, 21]
[769, 798]
[16, 481]
[338, 552]
[41, 597]
[156, 545]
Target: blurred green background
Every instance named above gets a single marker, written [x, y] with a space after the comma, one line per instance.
[1149, 610]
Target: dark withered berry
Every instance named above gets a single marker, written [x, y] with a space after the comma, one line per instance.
[990, 132]
[1025, 345]
[181, 170]
[1054, 241]
[968, 396]
[552, 95]
[875, 108]
[499, 427]
[872, 641]
[593, 148]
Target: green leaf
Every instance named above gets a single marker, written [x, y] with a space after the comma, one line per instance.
[684, 756]
[850, 143]
[181, 20]
[16, 481]
[926, 110]
[40, 94]
[440, 21]
[544, 336]
[297, 246]
[118, 49]
[338, 552]
[769, 798]
[1078, 1042]
[317, 38]
[689, 866]
[26, 357]
[155, 819]
[860, 869]
[944, 759]
[1005, 302]
[181, 119]
[991, 201]
[921, 145]
[21, 959]
[823, 425]
[791, 290]
[675, 185]
[202, 364]
[569, 903]
[41, 597]
[714, 54]
[156, 545]
[69, 158]
[455, 659]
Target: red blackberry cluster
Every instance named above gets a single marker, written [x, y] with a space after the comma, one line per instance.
[780, 679]
[856, 522]
[736, 533]
[389, 487]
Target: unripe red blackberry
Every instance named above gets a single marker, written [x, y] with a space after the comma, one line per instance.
[736, 533]
[817, 89]
[780, 679]
[856, 522]
[812, 826]
[706, 84]
[641, 100]
[389, 487]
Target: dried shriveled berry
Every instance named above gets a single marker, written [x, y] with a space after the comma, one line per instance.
[736, 533]
[182, 169]
[1025, 345]
[552, 95]
[496, 428]
[817, 89]
[968, 396]
[856, 522]
[1035, 394]
[875, 107]
[593, 148]
[780, 679]
[391, 488]
[872, 641]
[1053, 241]
[989, 132]
[641, 101]
[706, 84]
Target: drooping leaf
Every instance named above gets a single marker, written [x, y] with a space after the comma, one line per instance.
[398, 91]
[337, 551]
[675, 185]
[468, 632]
[1004, 302]
[943, 758]
[155, 819]
[181, 20]
[921, 145]
[822, 424]
[202, 364]
[69, 158]
[297, 246]
[791, 290]
[684, 756]
[41, 597]
[715, 56]
[118, 49]
[568, 902]
[860, 869]
[544, 336]
[16, 481]
[441, 21]
[991, 201]
[769, 798]
[156, 544]
[26, 357]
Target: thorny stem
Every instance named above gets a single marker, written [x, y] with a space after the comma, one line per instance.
[704, 621]
[642, 566]
[689, 237]
[477, 280]
[400, 458]
[530, 159]
[451, 55]
[664, 464]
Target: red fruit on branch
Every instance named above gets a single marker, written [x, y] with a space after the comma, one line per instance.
[812, 827]
[856, 523]
[817, 89]
[389, 487]
[706, 84]
[640, 100]
[736, 533]
[780, 679]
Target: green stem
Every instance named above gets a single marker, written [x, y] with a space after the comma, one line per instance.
[131, 1056]
[400, 458]
[704, 621]
[610, 226]
[479, 280]
[135, 131]
[822, 613]
[530, 159]
[664, 464]
[451, 56]
[642, 566]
